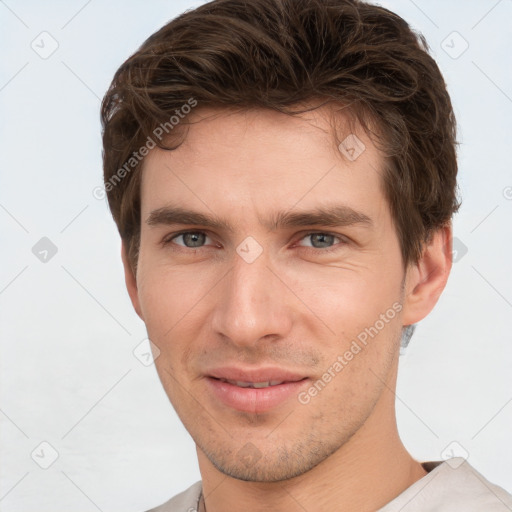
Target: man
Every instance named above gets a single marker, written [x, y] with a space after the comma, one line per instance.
[283, 177]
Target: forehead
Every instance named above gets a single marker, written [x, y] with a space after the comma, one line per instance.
[264, 160]
[267, 132]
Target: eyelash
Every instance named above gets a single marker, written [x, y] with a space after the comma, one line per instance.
[343, 241]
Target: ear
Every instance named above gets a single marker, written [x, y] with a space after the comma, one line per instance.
[131, 281]
[426, 279]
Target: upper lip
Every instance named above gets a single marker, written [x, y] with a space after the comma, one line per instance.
[255, 374]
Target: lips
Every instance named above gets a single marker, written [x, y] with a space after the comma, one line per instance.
[257, 377]
[258, 385]
[253, 390]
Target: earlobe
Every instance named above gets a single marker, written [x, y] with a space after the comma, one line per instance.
[425, 280]
[131, 281]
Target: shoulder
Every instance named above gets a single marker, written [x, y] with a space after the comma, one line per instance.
[451, 486]
[186, 501]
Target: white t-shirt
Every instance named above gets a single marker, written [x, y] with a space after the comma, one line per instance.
[450, 486]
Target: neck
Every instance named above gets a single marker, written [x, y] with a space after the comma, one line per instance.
[365, 474]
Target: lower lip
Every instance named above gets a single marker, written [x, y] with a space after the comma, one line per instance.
[255, 400]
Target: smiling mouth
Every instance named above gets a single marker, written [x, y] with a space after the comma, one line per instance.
[257, 385]
[257, 396]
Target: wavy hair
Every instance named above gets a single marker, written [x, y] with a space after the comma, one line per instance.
[280, 54]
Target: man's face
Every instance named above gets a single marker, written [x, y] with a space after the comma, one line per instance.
[272, 300]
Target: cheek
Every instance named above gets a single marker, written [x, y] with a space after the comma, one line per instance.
[173, 302]
[347, 299]
[357, 363]
[362, 311]
[167, 291]
[162, 303]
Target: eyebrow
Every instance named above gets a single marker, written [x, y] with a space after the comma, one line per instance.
[336, 215]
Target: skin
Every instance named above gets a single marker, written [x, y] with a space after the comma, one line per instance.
[295, 306]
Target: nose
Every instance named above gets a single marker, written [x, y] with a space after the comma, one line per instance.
[252, 303]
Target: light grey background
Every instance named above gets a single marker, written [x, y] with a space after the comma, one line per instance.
[68, 373]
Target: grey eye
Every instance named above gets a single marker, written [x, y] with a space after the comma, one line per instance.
[192, 240]
[321, 240]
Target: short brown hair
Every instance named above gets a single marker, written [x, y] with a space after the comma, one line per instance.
[276, 54]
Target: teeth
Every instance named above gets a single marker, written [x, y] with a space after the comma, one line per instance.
[261, 384]
[257, 385]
